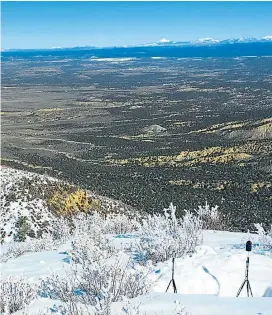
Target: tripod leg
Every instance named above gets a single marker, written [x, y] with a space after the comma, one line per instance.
[241, 288]
[249, 289]
[168, 285]
[174, 286]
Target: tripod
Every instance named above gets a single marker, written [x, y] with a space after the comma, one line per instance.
[246, 281]
[172, 280]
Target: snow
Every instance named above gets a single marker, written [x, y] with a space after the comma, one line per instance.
[217, 273]
[24, 195]
[35, 265]
[164, 303]
[207, 282]
[163, 41]
[207, 40]
[218, 268]
[22, 204]
[267, 37]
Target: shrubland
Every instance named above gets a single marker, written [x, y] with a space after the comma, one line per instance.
[99, 273]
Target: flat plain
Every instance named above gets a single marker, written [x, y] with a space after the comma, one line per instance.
[146, 131]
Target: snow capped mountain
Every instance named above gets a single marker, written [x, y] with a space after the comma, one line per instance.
[267, 37]
[206, 40]
[246, 40]
[209, 41]
[163, 41]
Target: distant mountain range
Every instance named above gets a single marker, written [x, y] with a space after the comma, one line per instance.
[165, 42]
[210, 41]
[164, 48]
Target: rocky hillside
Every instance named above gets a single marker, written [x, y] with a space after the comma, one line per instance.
[32, 204]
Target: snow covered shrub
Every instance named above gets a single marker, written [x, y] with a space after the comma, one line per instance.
[98, 274]
[165, 236]
[102, 267]
[84, 223]
[89, 236]
[264, 237]
[180, 309]
[61, 230]
[61, 310]
[23, 229]
[191, 227]
[117, 278]
[98, 282]
[120, 224]
[113, 223]
[47, 242]
[16, 293]
[91, 247]
[212, 218]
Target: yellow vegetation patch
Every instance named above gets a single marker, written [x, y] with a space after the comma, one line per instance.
[258, 126]
[181, 123]
[218, 159]
[266, 127]
[266, 120]
[10, 113]
[221, 127]
[31, 166]
[66, 203]
[260, 185]
[211, 155]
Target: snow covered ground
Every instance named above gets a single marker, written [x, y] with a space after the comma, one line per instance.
[168, 304]
[218, 268]
[207, 282]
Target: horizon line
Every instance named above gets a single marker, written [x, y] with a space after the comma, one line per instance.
[162, 42]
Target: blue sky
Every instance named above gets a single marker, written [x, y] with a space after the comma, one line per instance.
[68, 24]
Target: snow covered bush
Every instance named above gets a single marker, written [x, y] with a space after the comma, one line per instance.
[89, 238]
[191, 227]
[264, 237]
[212, 218]
[180, 309]
[93, 246]
[99, 274]
[89, 234]
[47, 242]
[165, 236]
[15, 294]
[120, 224]
[98, 283]
[113, 223]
